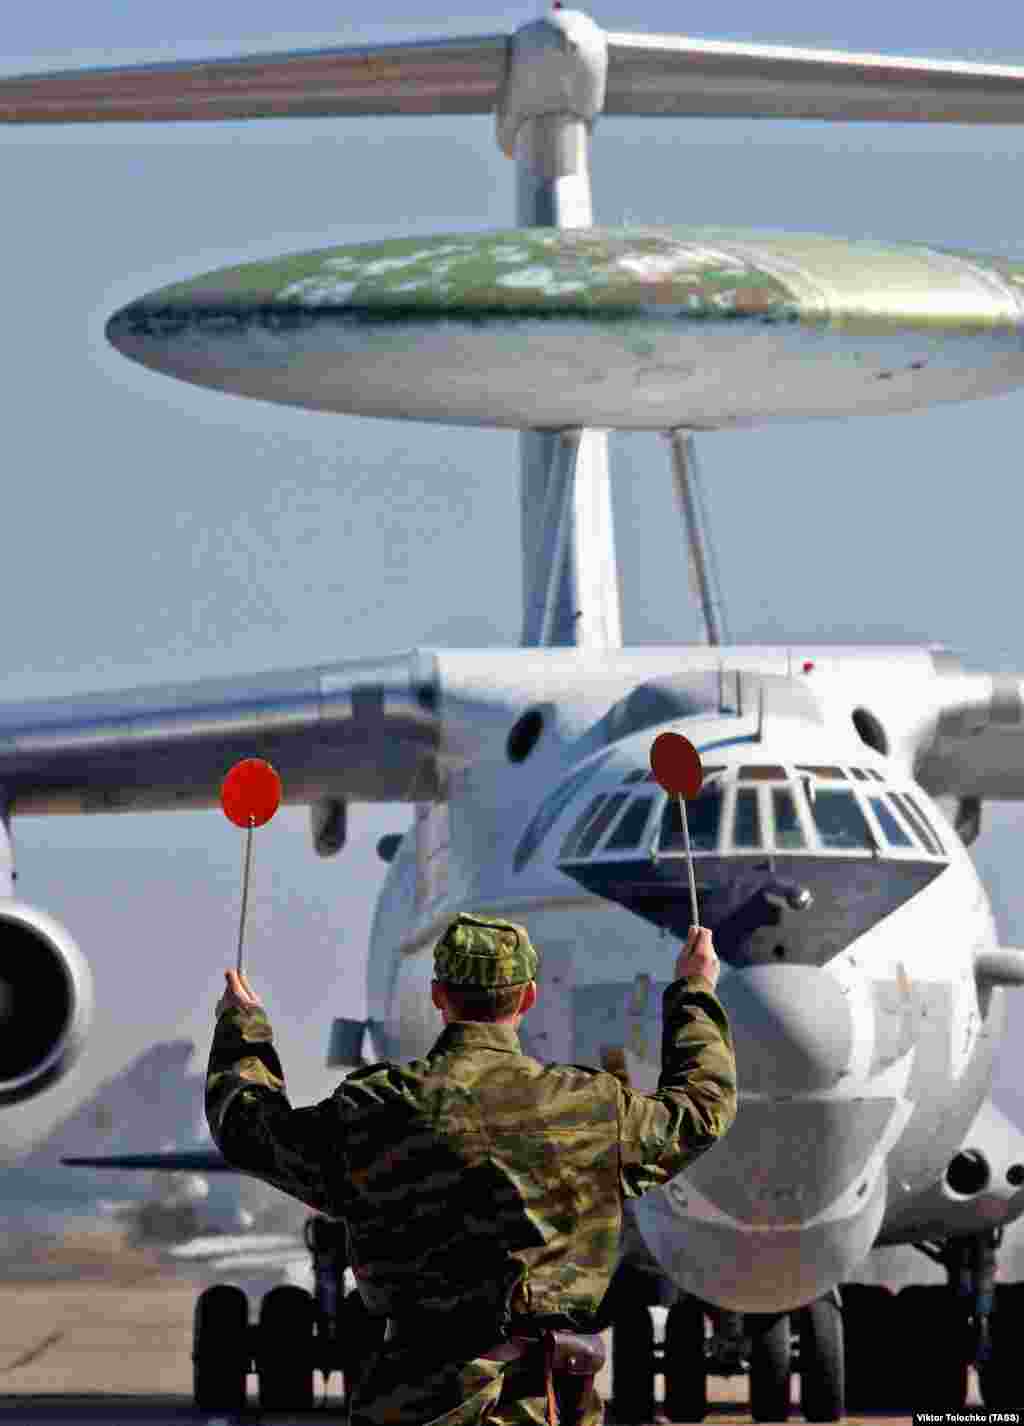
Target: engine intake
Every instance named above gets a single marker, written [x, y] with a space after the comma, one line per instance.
[45, 1001]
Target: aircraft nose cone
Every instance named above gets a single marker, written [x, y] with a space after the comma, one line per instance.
[792, 1026]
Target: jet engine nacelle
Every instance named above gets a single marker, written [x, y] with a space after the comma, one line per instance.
[45, 1001]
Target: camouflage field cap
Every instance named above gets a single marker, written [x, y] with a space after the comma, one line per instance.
[485, 952]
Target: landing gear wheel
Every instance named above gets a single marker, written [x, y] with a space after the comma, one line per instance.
[822, 1382]
[285, 1358]
[1001, 1378]
[220, 1348]
[869, 1332]
[686, 1378]
[934, 1336]
[633, 1363]
[770, 1365]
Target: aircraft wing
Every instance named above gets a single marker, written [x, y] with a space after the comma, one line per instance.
[648, 75]
[170, 1161]
[386, 729]
[367, 730]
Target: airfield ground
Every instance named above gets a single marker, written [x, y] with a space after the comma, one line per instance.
[91, 1335]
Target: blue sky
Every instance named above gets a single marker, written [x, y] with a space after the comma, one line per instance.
[155, 532]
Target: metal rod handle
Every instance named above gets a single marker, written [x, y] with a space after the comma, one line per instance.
[245, 890]
[689, 859]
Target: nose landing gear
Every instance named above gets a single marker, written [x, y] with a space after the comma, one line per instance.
[702, 1340]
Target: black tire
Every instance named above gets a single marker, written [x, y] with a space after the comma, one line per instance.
[633, 1364]
[220, 1348]
[822, 1373]
[686, 1378]
[932, 1332]
[770, 1366]
[285, 1358]
[1001, 1378]
[869, 1336]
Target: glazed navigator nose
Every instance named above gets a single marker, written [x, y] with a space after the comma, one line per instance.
[793, 1028]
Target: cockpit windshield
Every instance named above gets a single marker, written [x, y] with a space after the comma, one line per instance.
[792, 861]
[703, 819]
[839, 821]
[809, 809]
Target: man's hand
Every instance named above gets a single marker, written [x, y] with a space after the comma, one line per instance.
[698, 957]
[239, 995]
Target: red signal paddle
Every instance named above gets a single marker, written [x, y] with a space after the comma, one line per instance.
[250, 795]
[675, 763]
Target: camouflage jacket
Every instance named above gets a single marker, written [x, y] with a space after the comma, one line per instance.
[478, 1181]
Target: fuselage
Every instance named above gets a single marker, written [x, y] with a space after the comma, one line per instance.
[847, 914]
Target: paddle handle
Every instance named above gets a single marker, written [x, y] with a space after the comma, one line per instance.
[246, 870]
[689, 860]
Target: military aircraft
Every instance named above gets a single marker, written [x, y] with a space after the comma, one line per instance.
[862, 972]
[157, 1097]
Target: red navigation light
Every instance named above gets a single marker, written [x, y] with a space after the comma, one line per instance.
[675, 763]
[808, 666]
[250, 793]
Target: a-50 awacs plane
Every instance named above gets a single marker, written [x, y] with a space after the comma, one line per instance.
[861, 972]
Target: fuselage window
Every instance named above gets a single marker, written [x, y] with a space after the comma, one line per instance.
[702, 819]
[753, 773]
[789, 835]
[631, 827]
[894, 833]
[604, 819]
[840, 822]
[746, 827]
[918, 821]
[581, 824]
[551, 809]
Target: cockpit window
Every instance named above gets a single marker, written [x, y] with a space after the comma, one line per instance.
[895, 834]
[637, 775]
[746, 827]
[789, 835]
[761, 773]
[860, 774]
[702, 819]
[597, 828]
[834, 772]
[581, 824]
[631, 825]
[840, 822]
[919, 822]
[551, 809]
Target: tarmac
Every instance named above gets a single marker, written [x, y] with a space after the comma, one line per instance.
[111, 1342]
